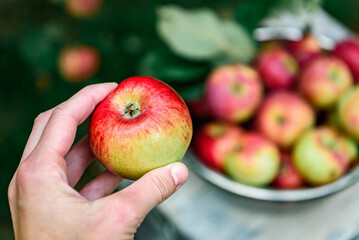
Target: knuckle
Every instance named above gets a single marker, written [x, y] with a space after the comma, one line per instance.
[24, 173]
[40, 118]
[162, 186]
[11, 191]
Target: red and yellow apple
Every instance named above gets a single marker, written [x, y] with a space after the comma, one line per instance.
[83, 8]
[283, 117]
[78, 64]
[322, 155]
[233, 92]
[277, 68]
[214, 141]
[324, 80]
[288, 176]
[348, 51]
[255, 161]
[305, 50]
[348, 112]
[142, 125]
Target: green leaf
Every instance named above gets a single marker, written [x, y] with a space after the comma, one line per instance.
[201, 35]
[163, 65]
[236, 34]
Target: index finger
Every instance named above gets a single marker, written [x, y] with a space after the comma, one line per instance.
[60, 130]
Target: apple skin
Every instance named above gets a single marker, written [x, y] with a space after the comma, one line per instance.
[348, 51]
[288, 176]
[78, 64]
[322, 155]
[348, 112]
[83, 8]
[214, 141]
[233, 92]
[254, 162]
[142, 125]
[305, 50]
[283, 117]
[324, 80]
[277, 68]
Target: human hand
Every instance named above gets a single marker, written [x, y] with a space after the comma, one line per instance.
[43, 202]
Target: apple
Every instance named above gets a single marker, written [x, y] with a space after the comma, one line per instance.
[283, 117]
[255, 161]
[277, 68]
[142, 125]
[305, 50]
[78, 64]
[324, 80]
[288, 176]
[322, 155]
[214, 141]
[348, 112]
[83, 8]
[233, 92]
[348, 51]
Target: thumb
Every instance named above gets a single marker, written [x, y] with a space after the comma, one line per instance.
[152, 189]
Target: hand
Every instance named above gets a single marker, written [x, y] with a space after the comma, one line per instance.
[43, 202]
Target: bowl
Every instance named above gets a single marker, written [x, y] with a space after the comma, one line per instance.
[268, 194]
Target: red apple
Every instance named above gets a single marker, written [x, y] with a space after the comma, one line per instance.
[142, 125]
[324, 80]
[283, 117]
[233, 92]
[277, 68]
[288, 176]
[305, 49]
[214, 141]
[83, 8]
[255, 161]
[323, 155]
[348, 112]
[348, 51]
[78, 64]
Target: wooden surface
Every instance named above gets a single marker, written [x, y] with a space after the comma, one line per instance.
[203, 211]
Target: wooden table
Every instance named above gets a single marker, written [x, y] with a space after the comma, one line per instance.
[203, 211]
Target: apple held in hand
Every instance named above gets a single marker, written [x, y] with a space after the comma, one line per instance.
[233, 92]
[83, 8]
[305, 49]
[78, 64]
[288, 176]
[348, 51]
[142, 125]
[348, 112]
[214, 141]
[324, 80]
[277, 68]
[283, 117]
[255, 161]
[323, 155]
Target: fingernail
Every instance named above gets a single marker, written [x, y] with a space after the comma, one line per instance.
[179, 174]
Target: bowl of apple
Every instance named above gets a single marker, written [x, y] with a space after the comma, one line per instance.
[284, 128]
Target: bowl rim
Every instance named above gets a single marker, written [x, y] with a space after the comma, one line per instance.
[293, 195]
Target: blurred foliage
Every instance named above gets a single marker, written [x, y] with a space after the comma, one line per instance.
[33, 32]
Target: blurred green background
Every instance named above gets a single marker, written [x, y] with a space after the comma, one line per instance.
[33, 33]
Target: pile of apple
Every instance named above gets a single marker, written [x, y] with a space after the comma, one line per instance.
[291, 120]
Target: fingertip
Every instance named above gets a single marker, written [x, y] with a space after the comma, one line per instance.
[179, 173]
